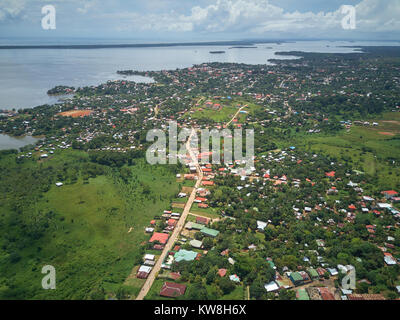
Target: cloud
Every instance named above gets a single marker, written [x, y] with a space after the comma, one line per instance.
[240, 18]
[86, 6]
[261, 17]
[11, 8]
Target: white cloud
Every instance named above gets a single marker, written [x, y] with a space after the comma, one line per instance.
[11, 8]
[86, 6]
[260, 17]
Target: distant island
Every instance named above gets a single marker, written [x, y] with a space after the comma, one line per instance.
[134, 45]
[243, 47]
[217, 52]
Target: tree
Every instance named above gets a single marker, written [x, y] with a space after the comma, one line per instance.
[226, 285]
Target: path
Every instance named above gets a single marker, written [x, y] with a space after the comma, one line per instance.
[241, 108]
[178, 228]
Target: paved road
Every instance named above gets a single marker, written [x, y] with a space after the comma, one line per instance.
[152, 276]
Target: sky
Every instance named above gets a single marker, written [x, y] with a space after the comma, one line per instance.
[201, 20]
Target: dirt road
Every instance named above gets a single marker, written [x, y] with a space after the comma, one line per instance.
[175, 234]
[241, 108]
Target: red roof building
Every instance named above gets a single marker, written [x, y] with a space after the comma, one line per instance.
[172, 290]
[330, 174]
[202, 220]
[160, 237]
[207, 183]
[171, 222]
[222, 272]
[326, 294]
[389, 193]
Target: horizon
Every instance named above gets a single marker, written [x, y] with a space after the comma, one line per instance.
[204, 20]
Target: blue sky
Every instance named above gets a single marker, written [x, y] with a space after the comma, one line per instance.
[188, 20]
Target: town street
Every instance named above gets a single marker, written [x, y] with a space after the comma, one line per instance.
[175, 234]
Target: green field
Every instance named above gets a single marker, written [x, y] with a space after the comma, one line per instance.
[370, 149]
[85, 234]
[225, 113]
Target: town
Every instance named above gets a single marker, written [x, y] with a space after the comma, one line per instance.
[321, 201]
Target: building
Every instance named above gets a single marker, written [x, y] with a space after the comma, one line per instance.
[271, 287]
[222, 272]
[160, 237]
[185, 255]
[143, 272]
[389, 194]
[202, 220]
[313, 273]
[196, 243]
[209, 232]
[261, 225]
[302, 294]
[172, 290]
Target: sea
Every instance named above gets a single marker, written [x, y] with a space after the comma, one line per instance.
[27, 74]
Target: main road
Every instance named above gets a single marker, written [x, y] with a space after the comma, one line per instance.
[178, 228]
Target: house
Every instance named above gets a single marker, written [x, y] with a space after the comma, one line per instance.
[271, 287]
[222, 272]
[209, 232]
[149, 263]
[326, 294]
[321, 272]
[196, 244]
[389, 194]
[330, 174]
[171, 222]
[296, 278]
[389, 260]
[261, 225]
[149, 257]
[160, 237]
[185, 255]
[193, 225]
[234, 278]
[59, 184]
[302, 294]
[143, 272]
[332, 271]
[313, 273]
[207, 183]
[172, 290]
[202, 220]
[200, 199]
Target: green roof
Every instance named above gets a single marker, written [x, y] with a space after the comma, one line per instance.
[296, 276]
[209, 232]
[313, 273]
[302, 294]
[185, 255]
[194, 225]
[271, 264]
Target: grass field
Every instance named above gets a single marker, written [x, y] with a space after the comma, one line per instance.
[224, 113]
[87, 240]
[366, 147]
